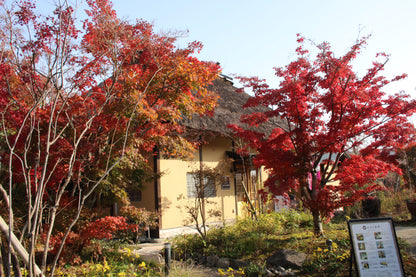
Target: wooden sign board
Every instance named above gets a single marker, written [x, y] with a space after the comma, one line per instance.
[375, 247]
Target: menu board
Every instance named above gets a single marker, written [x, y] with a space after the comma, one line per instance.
[375, 247]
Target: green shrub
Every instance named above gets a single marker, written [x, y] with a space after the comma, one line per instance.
[292, 219]
[187, 246]
[245, 238]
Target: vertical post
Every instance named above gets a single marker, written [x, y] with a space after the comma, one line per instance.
[115, 209]
[167, 257]
[329, 244]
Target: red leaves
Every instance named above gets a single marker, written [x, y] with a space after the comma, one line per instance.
[254, 119]
[300, 49]
[26, 12]
[360, 170]
[328, 110]
[104, 228]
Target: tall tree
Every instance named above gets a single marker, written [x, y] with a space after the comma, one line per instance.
[323, 111]
[73, 101]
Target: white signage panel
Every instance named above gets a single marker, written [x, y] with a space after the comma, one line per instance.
[375, 247]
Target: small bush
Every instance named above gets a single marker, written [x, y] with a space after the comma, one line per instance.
[291, 219]
[103, 228]
[254, 270]
[326, 262]
[140, 219]
[106, 228]
[187, 247]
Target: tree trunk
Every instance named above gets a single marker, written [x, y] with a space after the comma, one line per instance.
[15, 263]
[17, 246]
[317, 224]
[4, 261]
[5, 266]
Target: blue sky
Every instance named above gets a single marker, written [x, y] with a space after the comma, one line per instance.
[249, 38]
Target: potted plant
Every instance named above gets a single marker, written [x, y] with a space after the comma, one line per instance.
[411, 206]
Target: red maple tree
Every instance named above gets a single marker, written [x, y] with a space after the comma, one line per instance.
[74, 101]
[327, 124]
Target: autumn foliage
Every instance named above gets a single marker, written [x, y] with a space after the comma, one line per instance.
[106, 228]
[327, 124]
[74, 101]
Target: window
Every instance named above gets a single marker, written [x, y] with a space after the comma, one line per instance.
[134, 195]
[193, 186]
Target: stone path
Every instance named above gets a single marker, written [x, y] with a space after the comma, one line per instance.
[408, 234]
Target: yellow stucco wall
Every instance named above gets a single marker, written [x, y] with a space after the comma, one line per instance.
[148, 193]
[173, 188]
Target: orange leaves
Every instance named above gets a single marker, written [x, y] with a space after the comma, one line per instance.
[85, 104]
[154, 82]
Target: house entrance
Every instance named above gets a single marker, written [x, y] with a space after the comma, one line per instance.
[247, 185]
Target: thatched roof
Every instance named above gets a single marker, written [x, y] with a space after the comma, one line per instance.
[228, 110]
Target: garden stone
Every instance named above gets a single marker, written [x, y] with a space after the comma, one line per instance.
[281, 270]
[151, 253]
[202, 260]
[223, 263]
[287, 258]
[152, 258]
[270, 272]
[212, 261]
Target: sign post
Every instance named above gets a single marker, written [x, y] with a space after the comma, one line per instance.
[375, 248]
